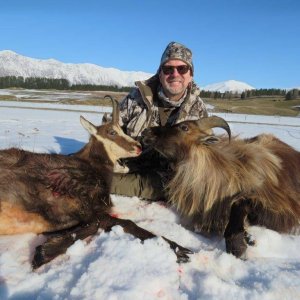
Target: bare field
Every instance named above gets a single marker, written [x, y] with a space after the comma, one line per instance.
[64, 97]
[275, 105]
[257, 106]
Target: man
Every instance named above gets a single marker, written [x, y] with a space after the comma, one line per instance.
[167, 98]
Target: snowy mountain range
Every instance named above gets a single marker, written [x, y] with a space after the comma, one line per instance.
[13, 64]
[229, 85]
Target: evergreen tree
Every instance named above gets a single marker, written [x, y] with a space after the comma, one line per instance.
[292, 94]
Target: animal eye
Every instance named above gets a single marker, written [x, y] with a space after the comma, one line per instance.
[184, 127]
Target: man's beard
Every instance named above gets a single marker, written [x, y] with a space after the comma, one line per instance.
[174, 90]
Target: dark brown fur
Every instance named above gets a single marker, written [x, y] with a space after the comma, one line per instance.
[216, 180]
[66, 197]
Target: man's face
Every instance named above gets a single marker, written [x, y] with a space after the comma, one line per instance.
[174, 84]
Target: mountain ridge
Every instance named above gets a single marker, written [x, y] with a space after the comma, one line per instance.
[228, 85]
[14, 64]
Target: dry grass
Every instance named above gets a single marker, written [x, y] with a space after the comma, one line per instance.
[87, 98]
[274, 105]
[8, 98]
[96, 98]
[257, 106]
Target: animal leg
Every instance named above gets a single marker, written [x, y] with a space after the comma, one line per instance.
[108, 222]
[58, 243]
[236, 236]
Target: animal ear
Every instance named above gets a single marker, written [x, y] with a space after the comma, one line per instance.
[88, 126]
[209, 140]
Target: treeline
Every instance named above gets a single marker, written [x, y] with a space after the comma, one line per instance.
[64, 84]
[50, 83]
[263, 92]
[33, 83]
[219, 95]
[292, 94]
[289, 95]
[91, 87]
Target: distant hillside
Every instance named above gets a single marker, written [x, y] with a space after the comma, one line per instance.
[13, 64]
[227, 86]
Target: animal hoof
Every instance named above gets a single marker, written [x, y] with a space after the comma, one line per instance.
[182, 254]
[54, 246]
[236, 244]
[39, 257]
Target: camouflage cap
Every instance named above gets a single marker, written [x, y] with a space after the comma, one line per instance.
[176, 50]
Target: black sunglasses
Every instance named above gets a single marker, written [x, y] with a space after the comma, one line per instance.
[167, 70]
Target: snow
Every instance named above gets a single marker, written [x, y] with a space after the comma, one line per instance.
[115, 265]
[13, 64]
[229, 85]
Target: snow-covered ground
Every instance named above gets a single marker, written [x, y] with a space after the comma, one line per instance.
[115, 265]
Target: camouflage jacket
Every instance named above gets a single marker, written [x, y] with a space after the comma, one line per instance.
[140, 108]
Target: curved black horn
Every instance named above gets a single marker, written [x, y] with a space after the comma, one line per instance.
[115, 111]
[212, 122]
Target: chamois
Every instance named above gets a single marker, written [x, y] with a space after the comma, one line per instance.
[221, 185]
[67, 197]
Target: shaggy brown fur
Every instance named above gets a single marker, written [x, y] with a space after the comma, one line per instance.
[260, 175]
[66, 196]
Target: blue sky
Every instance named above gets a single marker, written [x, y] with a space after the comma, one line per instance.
[255, 41]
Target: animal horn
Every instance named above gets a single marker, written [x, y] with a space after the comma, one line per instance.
[115, 112]
[212, 122]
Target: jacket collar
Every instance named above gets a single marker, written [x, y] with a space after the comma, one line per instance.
[148, 88]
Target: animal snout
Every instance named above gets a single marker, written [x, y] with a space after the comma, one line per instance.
[148, 136]
[138, 149]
